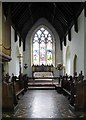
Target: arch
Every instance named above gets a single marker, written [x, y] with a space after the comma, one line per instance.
[75, 63]
[44, 26]
[68, 60]
[46, 42]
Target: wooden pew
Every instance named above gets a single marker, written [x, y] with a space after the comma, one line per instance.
[10, 94]
[65, 84]
[76, 89]
[18, 88]
[8, 103]
[80, 99]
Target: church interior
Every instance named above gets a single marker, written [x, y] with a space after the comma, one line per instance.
[43, 60]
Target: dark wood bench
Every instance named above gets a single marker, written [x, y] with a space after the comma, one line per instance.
[18, 89]
[68, 92]
[19, 92]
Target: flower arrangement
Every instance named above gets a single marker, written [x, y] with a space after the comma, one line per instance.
[60, 66]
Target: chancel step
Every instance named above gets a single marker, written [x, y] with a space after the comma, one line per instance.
[41, 87]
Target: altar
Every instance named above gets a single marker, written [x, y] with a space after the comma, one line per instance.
[42, 71]
[43, 74]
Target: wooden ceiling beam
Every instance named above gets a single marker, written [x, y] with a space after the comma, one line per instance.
[65, 41]
[19, 41]
[62, 15]
[85, 9]
[69, 35]
[68, 9]
[76, 25]
[15, 35]
[24, 45]
[22, 19]
[15, 10]
[21, 16]
[85, 12]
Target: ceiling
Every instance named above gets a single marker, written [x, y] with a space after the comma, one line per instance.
[61, 15]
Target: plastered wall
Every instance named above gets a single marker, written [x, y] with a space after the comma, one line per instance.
[15, 51]
[76, 46]
[28, 50]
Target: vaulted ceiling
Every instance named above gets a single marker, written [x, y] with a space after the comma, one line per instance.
[61, 15]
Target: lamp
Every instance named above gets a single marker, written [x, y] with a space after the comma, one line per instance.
[25, 66]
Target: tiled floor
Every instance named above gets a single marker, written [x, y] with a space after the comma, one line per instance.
[43, 104]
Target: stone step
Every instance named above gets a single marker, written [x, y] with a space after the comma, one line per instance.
[41, 87]
[40, 80]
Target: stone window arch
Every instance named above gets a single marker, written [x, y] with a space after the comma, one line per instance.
[43, 46]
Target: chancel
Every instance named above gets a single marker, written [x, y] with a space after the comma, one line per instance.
[43, 59]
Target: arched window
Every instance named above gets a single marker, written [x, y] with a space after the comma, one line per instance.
[42, 47]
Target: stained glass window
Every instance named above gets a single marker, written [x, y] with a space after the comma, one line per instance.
[42, 47]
